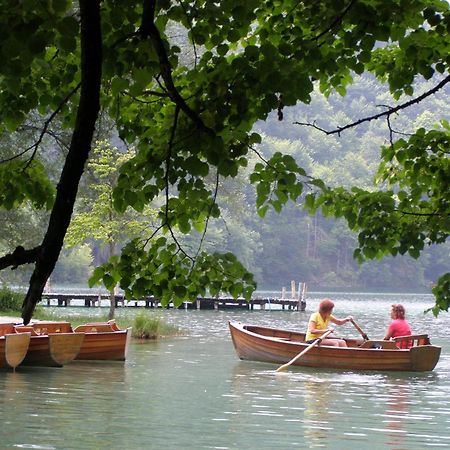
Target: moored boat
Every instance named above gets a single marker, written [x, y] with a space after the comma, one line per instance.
[272, 345]
[102, 340]
[13, 346]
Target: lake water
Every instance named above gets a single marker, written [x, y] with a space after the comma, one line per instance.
[194, 393]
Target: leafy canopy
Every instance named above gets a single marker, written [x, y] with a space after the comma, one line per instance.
[185, 82]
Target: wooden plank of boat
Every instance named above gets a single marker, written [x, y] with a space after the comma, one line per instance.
[104, 341]
[278, 346]
[53, 350]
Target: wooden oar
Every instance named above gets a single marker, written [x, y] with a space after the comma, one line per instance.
[307, 349]
[364, 335]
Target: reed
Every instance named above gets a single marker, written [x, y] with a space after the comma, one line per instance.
[147, 326]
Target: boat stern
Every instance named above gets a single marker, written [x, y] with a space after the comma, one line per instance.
[424, 357]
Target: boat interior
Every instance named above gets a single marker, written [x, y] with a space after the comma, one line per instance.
[42, 328]
[393, 344]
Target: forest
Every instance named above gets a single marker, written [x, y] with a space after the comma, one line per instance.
[285, 246]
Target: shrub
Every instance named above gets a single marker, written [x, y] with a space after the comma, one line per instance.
[10, 300]
[146, 327]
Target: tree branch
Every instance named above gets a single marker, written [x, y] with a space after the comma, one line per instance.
[336, 21]
[192, 33]
[19, 257]
[44, 130]
[389, 112]
[149, 30]
[216, 190]
[35, 146]
[166, 180]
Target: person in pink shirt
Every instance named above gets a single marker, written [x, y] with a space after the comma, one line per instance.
[399, 326]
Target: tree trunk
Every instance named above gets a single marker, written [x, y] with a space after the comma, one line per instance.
[112, 304]
[88, 109]
[112, 293]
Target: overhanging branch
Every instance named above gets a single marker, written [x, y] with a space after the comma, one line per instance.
[19, 257]
[149, 30]
[389, 112]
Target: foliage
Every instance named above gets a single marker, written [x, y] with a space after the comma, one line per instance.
[98, 220]
[171, 275]
[442, 293]
[96, 217]
[146, 326]
[413, 213]
[10, 300]
[190, 119]
[21, 181]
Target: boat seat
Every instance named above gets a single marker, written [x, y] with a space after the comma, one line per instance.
[26, 329]
[418, 339]
[388, 345]
[6, 328]
[44, 328]
[94, 328]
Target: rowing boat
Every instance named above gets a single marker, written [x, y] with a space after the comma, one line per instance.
[278, 346]
[102, 340]
[13, 346]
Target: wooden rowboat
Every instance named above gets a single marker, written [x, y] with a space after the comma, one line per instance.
[13, 346]
[278, 346]
[102, 340]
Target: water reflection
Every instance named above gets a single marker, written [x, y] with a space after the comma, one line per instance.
[316, 397]
[34, 400]
[397, 409]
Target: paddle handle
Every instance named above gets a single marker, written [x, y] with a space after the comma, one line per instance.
[364, 335]
[307, 349]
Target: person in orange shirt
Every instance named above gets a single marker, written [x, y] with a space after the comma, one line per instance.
[319, 321]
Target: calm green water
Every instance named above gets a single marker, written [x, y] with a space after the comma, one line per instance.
[194, 393]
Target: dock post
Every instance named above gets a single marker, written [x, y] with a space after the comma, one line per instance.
[283, 292]
[293, 289]
[216, 306]
[301, 297]
[197, 302]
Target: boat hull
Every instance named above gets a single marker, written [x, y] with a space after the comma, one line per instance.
[110, 345]
[280, 346]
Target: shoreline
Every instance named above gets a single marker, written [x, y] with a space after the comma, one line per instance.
[8, 319]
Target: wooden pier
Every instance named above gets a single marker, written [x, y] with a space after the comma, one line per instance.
[99, 300]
